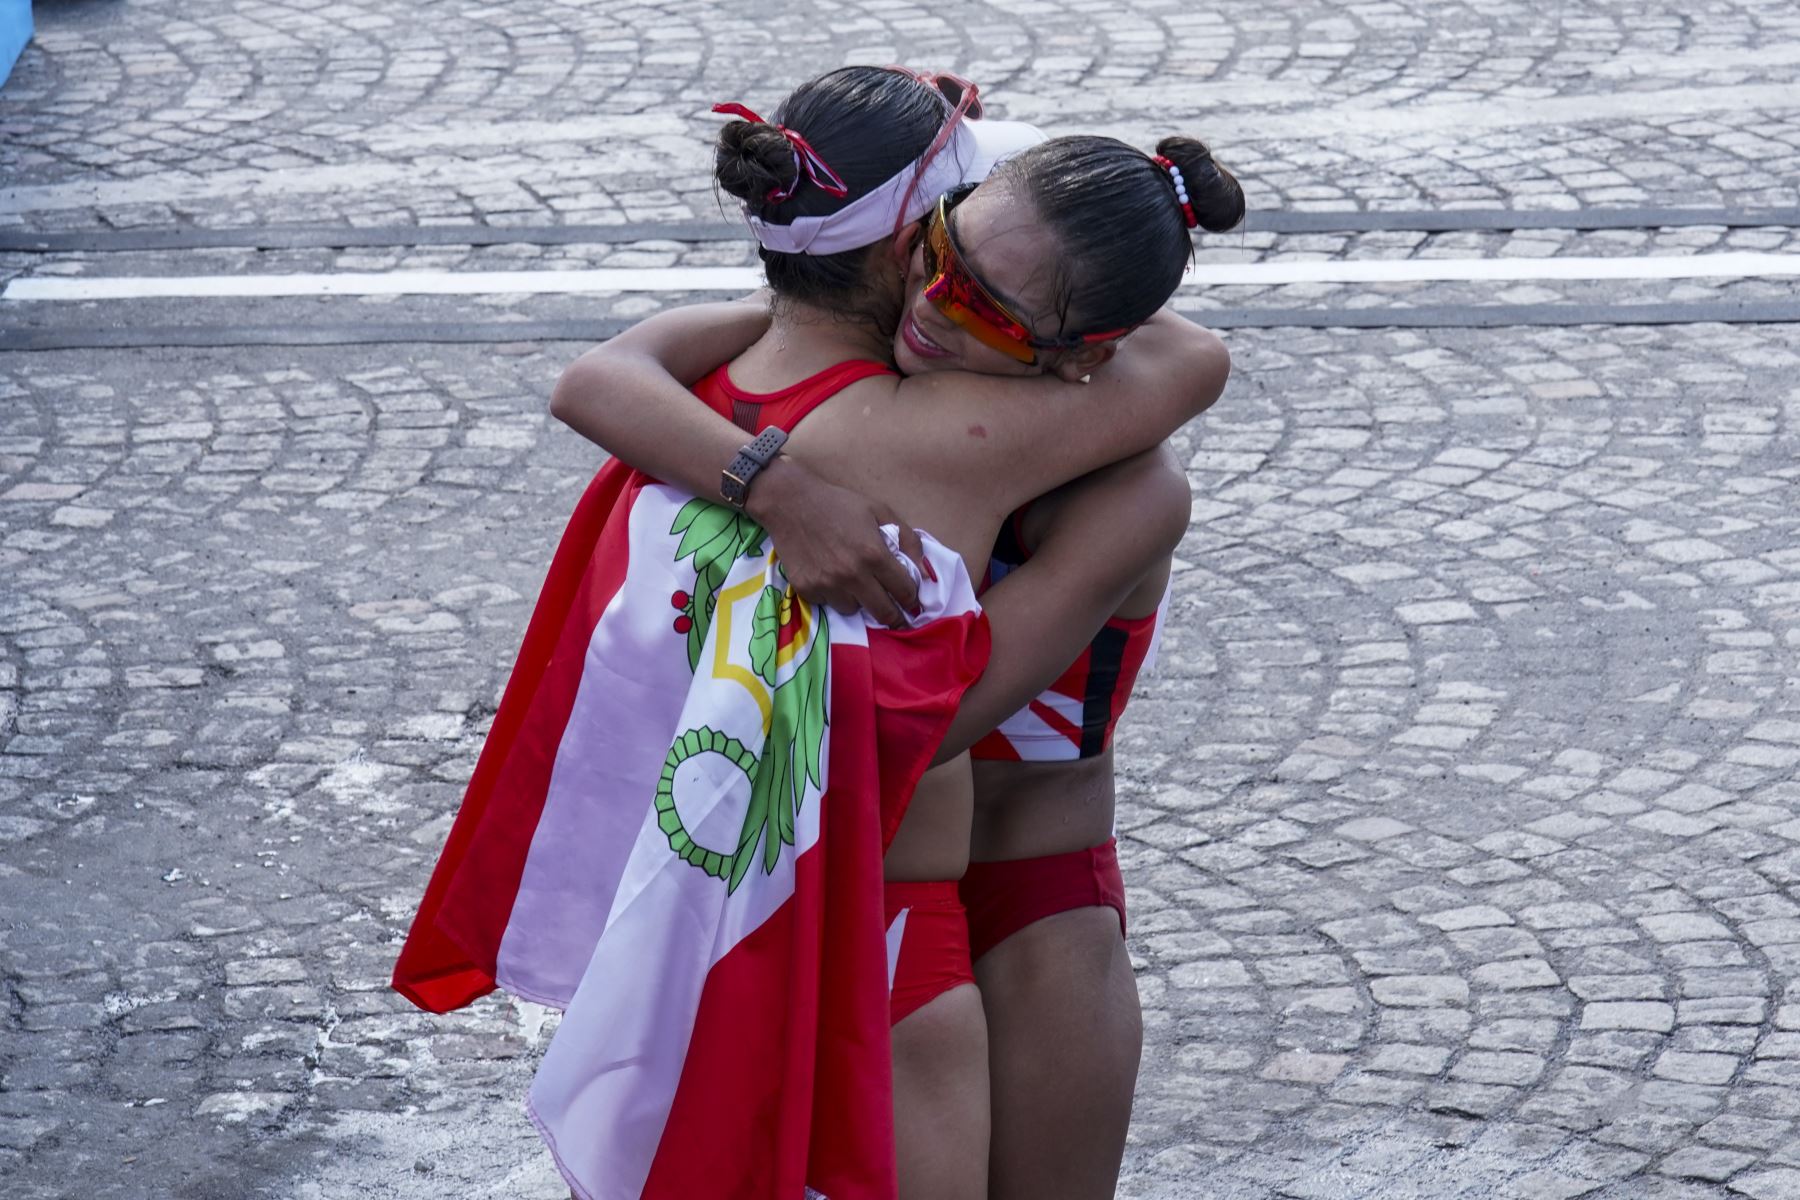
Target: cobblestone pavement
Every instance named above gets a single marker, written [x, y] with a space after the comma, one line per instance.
[228, 112]
[1460, 825]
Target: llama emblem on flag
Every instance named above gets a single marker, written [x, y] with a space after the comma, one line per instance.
[776, 647]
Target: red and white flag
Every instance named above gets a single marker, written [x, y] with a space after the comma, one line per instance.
[675, 833]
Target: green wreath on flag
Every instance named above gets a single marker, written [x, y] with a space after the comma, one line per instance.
[716, 537]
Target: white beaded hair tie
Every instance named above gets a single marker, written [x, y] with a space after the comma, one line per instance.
[1181, 193]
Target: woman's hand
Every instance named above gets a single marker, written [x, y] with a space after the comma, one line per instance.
[631, 397]
[828, 540]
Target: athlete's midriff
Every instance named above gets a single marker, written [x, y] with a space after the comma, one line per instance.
[1031, 809]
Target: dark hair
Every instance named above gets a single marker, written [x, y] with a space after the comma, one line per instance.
[869, 124]
[1124, 239]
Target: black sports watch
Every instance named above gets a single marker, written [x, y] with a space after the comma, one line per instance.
[734, 480]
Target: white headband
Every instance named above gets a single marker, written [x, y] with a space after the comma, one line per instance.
[972, 151]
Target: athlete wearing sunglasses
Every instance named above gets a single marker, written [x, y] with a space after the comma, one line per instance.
[1013, 271]
[955, 290]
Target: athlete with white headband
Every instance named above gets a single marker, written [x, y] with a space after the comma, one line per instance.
[860, 196]
[965, 152]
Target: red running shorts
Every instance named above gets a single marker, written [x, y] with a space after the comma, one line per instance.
[928, 944]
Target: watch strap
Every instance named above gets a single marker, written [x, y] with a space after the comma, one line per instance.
[753, 456]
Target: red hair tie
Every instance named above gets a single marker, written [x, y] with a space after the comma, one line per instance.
[807, 163]
[1181, 195]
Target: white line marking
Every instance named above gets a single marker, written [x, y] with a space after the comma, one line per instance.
[1433, 270]
[395, 283]
[742, 279]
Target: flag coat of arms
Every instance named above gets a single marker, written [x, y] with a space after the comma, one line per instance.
[675, 832]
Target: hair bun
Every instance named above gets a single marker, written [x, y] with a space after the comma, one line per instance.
[1213, 192]
[753, 159]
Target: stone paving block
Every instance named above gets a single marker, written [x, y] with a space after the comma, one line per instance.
[1552, 1185]
[1373, 829]
[1484, 1066]
[1517, 973]
[1617, 987]
[1697, 1162]
[1410, 1059]
[1471, 917]
[1722, 1010]
[1420, 991]
[1623, 1014]
[1302, 1067]
[1721, 1039]
[1683, 927]
[1783, 1183]
[1747, 1131]
[1696, 1068]
[1516, 1034]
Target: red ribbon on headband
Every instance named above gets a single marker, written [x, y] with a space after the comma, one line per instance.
[807, 163]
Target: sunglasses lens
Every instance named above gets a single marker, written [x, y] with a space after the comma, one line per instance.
[952, 300]
[992, 338]
[960, 298]
[936, 247]
[970, 322]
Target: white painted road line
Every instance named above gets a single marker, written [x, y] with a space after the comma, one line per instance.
[1436, 270]
[392, 283]
[741, 279]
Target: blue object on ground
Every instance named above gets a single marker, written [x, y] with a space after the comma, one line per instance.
[15, 31]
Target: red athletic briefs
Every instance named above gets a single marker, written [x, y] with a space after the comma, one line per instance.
[928, 944]
[1005, 897]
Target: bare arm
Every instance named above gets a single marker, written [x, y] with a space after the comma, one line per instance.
[1021, 436]
[998, 440]
[631, 397]
[1110, 530]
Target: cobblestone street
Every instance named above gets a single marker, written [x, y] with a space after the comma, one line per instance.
[1460, 820]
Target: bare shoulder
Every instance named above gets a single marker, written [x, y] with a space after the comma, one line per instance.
[856, 426]
[869, 401]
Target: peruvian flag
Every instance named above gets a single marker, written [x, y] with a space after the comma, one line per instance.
[675, 833]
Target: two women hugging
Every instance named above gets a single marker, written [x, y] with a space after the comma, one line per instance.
[800, 800]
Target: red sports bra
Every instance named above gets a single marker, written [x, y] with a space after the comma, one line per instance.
[756, 411]
[1076, 716]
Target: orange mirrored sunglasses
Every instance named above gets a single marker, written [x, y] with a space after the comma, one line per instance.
[956, 292]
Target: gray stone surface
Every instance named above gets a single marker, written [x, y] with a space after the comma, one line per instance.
[1459, 820]
[260, 605]
[220, 113]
